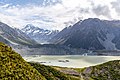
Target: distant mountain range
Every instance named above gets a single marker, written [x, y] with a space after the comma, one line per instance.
[38, 34]
[25, 44]
[13, 36]
[92, 34]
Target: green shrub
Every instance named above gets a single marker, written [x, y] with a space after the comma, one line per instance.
[14, 67]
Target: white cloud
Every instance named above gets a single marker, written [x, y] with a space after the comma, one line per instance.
[54, 16]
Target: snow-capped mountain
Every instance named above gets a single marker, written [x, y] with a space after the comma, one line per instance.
[91, 33]
[38, 34]
[13, 36]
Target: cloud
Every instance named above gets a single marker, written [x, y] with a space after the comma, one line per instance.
[116, 6]
[52, 17]
[57, 15]
[102, 10]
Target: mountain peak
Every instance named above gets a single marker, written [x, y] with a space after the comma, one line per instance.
[91, 33]
[29, 26]
[92, 21]
[39, 34]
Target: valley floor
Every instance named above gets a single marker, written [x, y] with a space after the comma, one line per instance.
[105, 71]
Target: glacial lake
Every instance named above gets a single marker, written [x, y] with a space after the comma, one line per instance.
[72, 61]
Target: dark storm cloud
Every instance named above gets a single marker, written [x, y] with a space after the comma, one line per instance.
[116, 6]
[102, 10]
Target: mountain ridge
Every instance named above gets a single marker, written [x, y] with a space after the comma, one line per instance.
[14, 36]
[91, 33]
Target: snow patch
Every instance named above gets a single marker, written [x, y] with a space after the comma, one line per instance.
[1, 32]
[49, 33]
[36, 31]
[9, 41]
[29, 31]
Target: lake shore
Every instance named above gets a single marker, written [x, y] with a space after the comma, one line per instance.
[71, 61]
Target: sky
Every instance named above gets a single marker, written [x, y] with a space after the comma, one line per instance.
[56, 14]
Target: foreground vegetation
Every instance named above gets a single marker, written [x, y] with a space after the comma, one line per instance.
[50, 73]
[14, 67]
[106, 71]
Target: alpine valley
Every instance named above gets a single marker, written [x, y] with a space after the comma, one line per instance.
[14, 67]
[92, 36]
[59, 39]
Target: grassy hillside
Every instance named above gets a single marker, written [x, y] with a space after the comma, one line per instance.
[50, 73]
[14, 67]
[106, 71]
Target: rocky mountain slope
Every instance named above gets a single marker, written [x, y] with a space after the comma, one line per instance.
[92, 33]
[38, 34]
[14, 36]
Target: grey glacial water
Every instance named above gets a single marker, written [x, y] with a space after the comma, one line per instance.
[74, 61]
